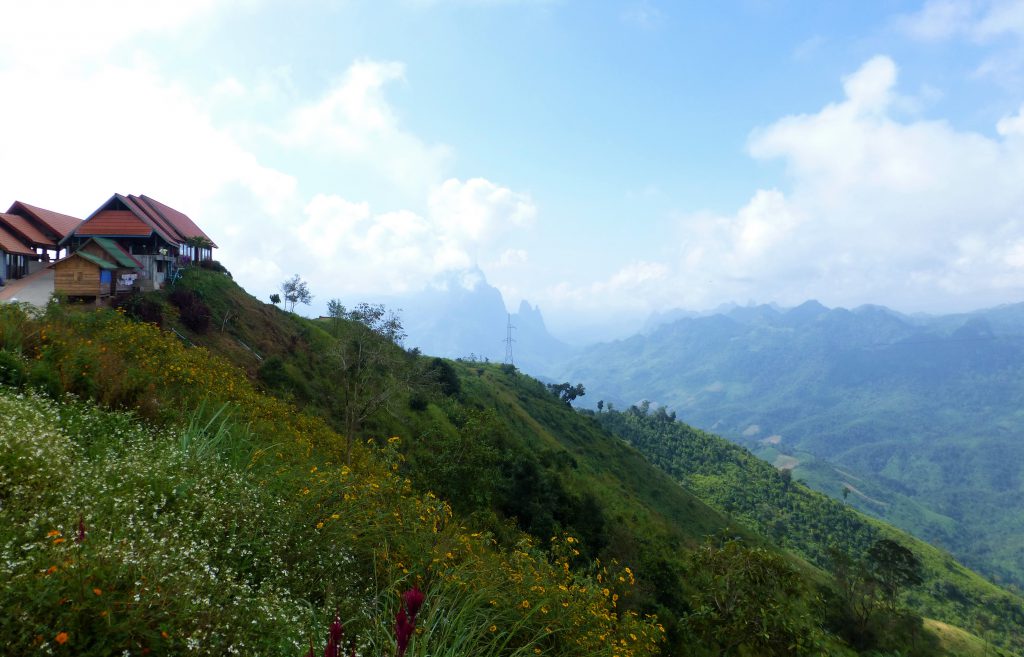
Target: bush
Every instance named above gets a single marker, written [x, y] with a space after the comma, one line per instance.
[12, 369]
[196, 317]
[141, 308]
[446, 377]
[193, 312]
[214, 265]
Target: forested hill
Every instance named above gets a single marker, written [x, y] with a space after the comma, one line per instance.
[919, 414]
[806, 521]
[552, 536]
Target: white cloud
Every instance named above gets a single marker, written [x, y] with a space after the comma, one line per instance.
[1012, 125]
[938, 19]
[477, 210]
[360, 252]
[59, 32]
[911, 213]
[996, 24]
[354, 121]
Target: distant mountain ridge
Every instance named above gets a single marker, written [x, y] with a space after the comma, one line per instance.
[462, 315]
[924, 407]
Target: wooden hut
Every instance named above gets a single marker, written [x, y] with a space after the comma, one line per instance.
[98, 269]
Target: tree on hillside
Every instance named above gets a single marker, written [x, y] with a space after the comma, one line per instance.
[371, 366]
[566, 391]
[748, 600]
[275, 298]
[895, 568]
[295, 291]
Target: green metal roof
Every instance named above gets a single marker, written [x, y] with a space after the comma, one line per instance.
[116, 253]
[103, 264]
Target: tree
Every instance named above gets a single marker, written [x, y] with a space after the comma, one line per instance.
[337, 312]
[600, 405]
[566, 391]
[748, 600]
[895, 568]
[275, 298]
[295, 292]
[371, 365]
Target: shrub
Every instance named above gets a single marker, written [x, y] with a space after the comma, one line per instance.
[214, 265]
[196, 317]
[12, 369]
[141, 308]
[193, 312]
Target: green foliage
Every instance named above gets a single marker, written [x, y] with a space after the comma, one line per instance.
[141, 307]
[516, 456]
[13, 370]
[447, 379]
[805, 521]
[295, 291]
[566, 391]
[193, 313]
[918, 414]
[240, 530]
[748, 600]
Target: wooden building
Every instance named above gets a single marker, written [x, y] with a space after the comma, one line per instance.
[98, 269]
[31, 238]
[156, 235]
[14, 256]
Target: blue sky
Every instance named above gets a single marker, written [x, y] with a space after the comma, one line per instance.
[601, 159]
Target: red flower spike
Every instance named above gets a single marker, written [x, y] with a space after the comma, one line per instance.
[80, 538]
[334, 637]
[413, 600]
[403, 631]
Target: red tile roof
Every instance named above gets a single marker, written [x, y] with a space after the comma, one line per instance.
[119, 223]
[171, 225]
[11, 244]
[179, 221]
[26, 230]
[60, 224]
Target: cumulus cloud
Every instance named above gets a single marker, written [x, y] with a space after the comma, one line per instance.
[362, 252]
[913, 213]
[355, 121]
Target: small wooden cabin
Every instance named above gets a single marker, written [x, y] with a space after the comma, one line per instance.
[98, 269]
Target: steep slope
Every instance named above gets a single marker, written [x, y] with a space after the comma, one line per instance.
[507, 450]
[806, 521]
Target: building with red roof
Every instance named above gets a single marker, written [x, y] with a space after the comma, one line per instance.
[157, 235]
[29, 237]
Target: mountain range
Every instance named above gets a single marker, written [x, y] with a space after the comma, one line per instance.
[915, 419]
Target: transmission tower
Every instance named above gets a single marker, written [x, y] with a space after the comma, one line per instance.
[508, 341]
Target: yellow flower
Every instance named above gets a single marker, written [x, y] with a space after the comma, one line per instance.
[319, 525]
[61, 638]
[525, 604]
[494, 628]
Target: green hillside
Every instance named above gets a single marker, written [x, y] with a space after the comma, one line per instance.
[556, 537]
[923, 412]
[808, 522]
